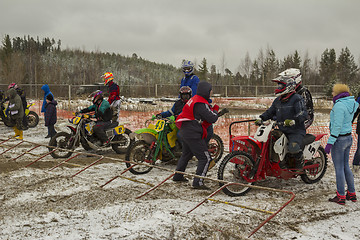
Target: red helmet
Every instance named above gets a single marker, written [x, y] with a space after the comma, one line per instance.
[107, 77]
[185, 93]
[96, 96]
[12, 85]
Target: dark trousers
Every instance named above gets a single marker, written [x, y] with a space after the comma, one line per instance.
[51, 130]
[99, 130]
[198, 148]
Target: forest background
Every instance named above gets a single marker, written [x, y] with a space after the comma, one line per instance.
[34, 61]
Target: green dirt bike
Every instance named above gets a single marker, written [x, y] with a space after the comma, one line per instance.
[32, 117]
[159, 142]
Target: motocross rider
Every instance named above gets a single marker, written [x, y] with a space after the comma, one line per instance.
[103, 114]
[193, 122]
[289, 108]
[16, 112]
[185, 94]
[114, 98]
[190, 79]
[22, 95]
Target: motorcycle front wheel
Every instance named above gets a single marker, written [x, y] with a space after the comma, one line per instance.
[121, 142]
[139, 152]
[313, 175]
[236, 167]
[32, 119]
[61, 141]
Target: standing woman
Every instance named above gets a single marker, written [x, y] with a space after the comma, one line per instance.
[340, 141]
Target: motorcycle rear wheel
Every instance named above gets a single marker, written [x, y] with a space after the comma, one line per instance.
[123, 142]
[233, 168]
[139, 152]
[314, 175]
[60, 140]
[32, 119]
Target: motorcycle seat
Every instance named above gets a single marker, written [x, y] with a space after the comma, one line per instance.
[112, 125]
[309, 138]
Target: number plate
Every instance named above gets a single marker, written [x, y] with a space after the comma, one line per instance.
[159, 125]
[119, 130]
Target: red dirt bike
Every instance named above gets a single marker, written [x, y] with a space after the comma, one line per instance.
[251, 159]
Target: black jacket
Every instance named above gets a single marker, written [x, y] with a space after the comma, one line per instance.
[50, 113]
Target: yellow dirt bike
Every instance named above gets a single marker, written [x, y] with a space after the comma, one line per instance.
[32, 117]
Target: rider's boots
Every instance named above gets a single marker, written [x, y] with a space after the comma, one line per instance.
[20, 137]
[16, 131]
[299, 163]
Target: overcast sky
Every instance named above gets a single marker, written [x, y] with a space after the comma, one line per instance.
[167, 31]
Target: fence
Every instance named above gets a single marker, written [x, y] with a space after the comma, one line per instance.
[69, 92]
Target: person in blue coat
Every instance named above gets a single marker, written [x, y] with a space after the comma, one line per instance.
[190, 79]
[340, 141]
[46, 90]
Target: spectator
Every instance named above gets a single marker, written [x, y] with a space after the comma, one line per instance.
[50, 115]
[46, 90]
[356, 160]
[340, 140]
[22, 95]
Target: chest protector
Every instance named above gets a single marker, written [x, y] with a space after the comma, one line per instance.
[187, 113]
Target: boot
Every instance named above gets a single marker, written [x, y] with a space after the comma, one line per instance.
[16, 131]
[339, 199]
[299, 163]
[20, 136]
[351, 196]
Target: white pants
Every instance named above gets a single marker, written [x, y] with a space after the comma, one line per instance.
[115, 105]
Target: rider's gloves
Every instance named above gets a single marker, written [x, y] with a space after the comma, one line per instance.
[158, 116]
[328, 148]
[215, 108]
[77, 113]
[289, 122]
[223, 111]
[258, 121]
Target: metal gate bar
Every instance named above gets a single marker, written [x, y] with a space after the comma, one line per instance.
[11, 147]
[41, 157]
[61, 163]
[25, 152]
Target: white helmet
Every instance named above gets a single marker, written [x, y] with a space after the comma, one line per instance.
[288, 81]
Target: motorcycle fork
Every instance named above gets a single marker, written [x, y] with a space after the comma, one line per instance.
[159, 142]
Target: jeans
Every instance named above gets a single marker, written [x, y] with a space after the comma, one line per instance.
[340, 153]
[356, 160]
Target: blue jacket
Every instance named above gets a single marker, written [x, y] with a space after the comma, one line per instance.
[294, 108]
[46, 90]
[191, 81]
[341, 117]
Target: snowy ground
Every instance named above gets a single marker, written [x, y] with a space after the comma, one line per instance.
[36, 203]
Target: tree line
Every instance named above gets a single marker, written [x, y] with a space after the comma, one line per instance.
[28, 60]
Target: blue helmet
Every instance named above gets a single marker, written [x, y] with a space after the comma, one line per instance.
[187, 67]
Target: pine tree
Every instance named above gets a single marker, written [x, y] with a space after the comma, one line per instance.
[203, 70]
[346, 67]
[327, 70]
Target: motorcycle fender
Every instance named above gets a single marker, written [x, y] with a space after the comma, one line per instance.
[280, 146]
[147, 137]
[242, 139]
[172, 137]
[311, 149]
[73, 130]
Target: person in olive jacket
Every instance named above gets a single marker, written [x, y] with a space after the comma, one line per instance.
[50, 115]
[16, 111]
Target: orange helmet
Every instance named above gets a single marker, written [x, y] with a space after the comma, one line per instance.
[108, 77]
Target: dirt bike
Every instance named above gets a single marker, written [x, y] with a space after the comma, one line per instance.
[159, 142]
[252, 159]
[32, 117]
[82, 133]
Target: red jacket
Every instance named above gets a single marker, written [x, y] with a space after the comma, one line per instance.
[187, 113]
[114, 92]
